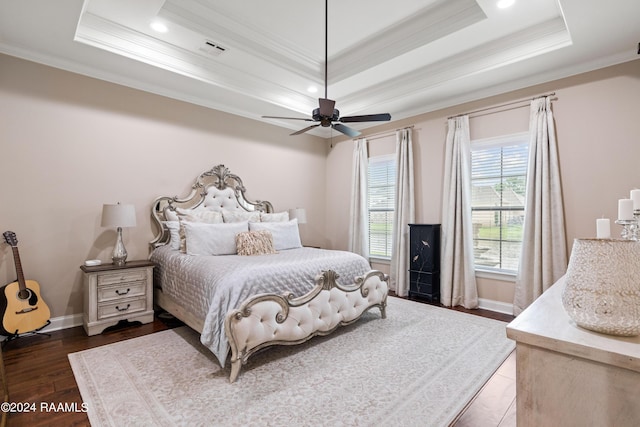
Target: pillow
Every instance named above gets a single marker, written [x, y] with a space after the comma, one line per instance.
[212, 239]
[170, 215]
[274, 217]
[174, 233]
[200, 215]
[240, 216]
[255, 243]
[190, 215]
[285, 234]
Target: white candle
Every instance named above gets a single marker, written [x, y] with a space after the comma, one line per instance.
[625, 209]
[635, 196]
[603, 228]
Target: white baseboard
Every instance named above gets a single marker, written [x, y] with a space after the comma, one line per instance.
[58, 323]
[497, 306]
[64, 322]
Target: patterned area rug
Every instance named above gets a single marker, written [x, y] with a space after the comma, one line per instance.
[418, 367]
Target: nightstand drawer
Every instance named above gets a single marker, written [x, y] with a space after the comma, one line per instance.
[121, 308]
[121, 277]
[125, 290]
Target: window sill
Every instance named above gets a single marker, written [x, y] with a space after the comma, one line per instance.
[380, 260]
[496, 275]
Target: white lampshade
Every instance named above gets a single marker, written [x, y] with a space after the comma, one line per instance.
[298, 213]
[118, 216]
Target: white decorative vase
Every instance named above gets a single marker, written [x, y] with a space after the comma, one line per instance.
[602, 290]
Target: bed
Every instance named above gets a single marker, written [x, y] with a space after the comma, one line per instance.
[235, 270]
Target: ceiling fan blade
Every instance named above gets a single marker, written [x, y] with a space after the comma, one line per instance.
[326, 107]
[288, 118]
[305, 129]
[346, 130]
[366, 118]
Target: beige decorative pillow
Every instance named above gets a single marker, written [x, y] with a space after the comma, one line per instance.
[255, 243]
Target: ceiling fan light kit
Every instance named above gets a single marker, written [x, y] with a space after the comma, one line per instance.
[326, 115]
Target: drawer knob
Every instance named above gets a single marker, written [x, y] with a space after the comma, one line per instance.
[122, 293]
[123, 309]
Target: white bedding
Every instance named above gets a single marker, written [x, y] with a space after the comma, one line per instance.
[210, 286]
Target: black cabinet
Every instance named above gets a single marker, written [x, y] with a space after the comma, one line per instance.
[424, 261]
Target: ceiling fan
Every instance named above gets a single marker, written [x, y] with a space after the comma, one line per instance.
[326, 115]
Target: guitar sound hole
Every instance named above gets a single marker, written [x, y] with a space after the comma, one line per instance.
[25, 294]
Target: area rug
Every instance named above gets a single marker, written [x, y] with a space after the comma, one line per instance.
[418, 367]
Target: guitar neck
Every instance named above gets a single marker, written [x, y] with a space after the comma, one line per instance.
[19, 272]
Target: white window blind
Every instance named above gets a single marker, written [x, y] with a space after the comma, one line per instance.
[381, 195]
[498, 183]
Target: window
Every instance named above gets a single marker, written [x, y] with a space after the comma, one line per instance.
[381, 194]
[498, 183]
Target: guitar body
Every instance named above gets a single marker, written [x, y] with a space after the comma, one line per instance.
[21, 315]
[21, 306]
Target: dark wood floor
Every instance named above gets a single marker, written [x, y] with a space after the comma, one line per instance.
[38, 370]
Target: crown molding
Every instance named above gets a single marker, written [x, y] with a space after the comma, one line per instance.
[430, 23]
[199, 16]
[115, 38]
[533, 41]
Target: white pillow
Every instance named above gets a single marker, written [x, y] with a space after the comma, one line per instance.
[274, 217]
[285, 234]
[200, 215]
[212, 239]
[240, 216]
[174, 233]
[170, 215]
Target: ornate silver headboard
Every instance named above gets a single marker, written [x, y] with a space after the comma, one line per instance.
[215, 189]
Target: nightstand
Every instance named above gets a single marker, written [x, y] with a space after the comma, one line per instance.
[113, 293]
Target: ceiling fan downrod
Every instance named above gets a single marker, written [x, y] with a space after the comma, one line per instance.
[326, 45]
[326, 115]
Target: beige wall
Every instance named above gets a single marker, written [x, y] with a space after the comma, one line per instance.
[69, 143]
[599, 148]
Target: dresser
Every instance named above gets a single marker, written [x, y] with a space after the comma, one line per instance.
[570, 376]
[115, 293]
[424, 261]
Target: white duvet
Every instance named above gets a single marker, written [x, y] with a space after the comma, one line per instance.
[210, 286]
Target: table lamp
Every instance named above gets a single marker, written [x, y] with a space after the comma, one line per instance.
[298, 213]
[119, 216]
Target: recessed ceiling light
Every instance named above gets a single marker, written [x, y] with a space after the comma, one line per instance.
[159, 27]
[503, 4]
[312, 89]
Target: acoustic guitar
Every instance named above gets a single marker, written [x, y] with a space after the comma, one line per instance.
[21, 306]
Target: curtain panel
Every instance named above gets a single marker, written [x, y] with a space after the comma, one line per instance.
[359, 212]
[543, 259]
[404, 213]
[457, 272]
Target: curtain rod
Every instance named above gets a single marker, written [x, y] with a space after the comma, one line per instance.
[502, 105]
[384, 133]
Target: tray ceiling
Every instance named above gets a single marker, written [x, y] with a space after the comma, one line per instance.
[255, 58]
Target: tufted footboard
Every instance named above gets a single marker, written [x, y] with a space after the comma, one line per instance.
[269, 319]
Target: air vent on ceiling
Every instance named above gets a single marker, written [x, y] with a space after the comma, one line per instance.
[211, 48]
